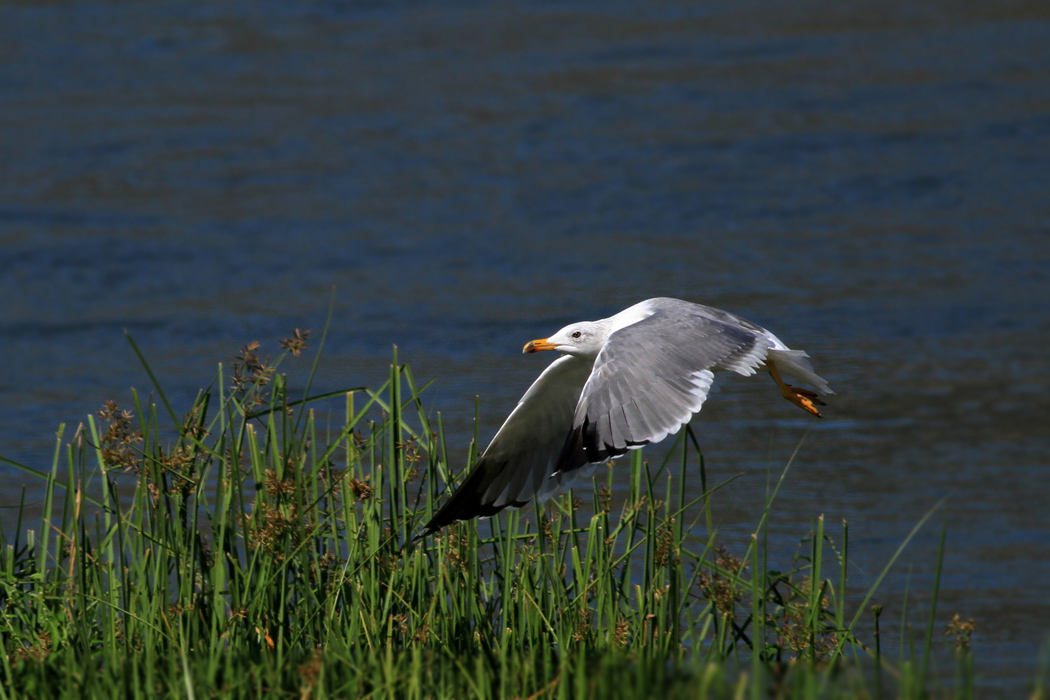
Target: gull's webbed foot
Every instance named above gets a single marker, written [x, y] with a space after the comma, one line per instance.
[803, 398]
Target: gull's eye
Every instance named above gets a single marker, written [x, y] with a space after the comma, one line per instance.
[577, 334]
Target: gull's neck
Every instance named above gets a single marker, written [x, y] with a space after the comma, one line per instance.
[628, 317]
[605, 327]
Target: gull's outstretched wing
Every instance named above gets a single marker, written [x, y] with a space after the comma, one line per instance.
[652, 376]
[519, 462]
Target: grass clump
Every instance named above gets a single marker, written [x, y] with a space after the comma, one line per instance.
[250, 548]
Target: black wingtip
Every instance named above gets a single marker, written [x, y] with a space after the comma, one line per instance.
[439, 521]
[465, 502]
[446, 515]
[582, 447]
[428, 529]
[461, 509]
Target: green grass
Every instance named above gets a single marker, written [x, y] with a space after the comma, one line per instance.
[262, 545]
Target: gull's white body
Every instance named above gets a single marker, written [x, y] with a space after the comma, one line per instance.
[622, 382]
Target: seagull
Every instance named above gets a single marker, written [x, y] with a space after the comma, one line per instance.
[620, 383]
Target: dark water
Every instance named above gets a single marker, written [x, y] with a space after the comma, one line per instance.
[871, 181]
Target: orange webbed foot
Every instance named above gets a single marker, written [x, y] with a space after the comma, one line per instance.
[804, 399]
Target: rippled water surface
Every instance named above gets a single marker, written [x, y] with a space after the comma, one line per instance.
[871, 181]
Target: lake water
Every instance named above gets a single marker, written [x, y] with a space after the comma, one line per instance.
[871, 181]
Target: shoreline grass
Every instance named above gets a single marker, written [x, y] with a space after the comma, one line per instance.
[249, 548]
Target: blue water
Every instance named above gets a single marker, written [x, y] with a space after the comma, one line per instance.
[869, 181]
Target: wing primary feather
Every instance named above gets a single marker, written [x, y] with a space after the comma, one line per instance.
[636, 421]
[619, 432]
[467, 500]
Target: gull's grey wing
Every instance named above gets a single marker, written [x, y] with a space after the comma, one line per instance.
[519, 462]
[652, 376]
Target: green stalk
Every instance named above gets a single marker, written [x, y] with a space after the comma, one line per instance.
[933, 607]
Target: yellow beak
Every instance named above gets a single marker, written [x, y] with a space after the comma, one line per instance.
[538, 345]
